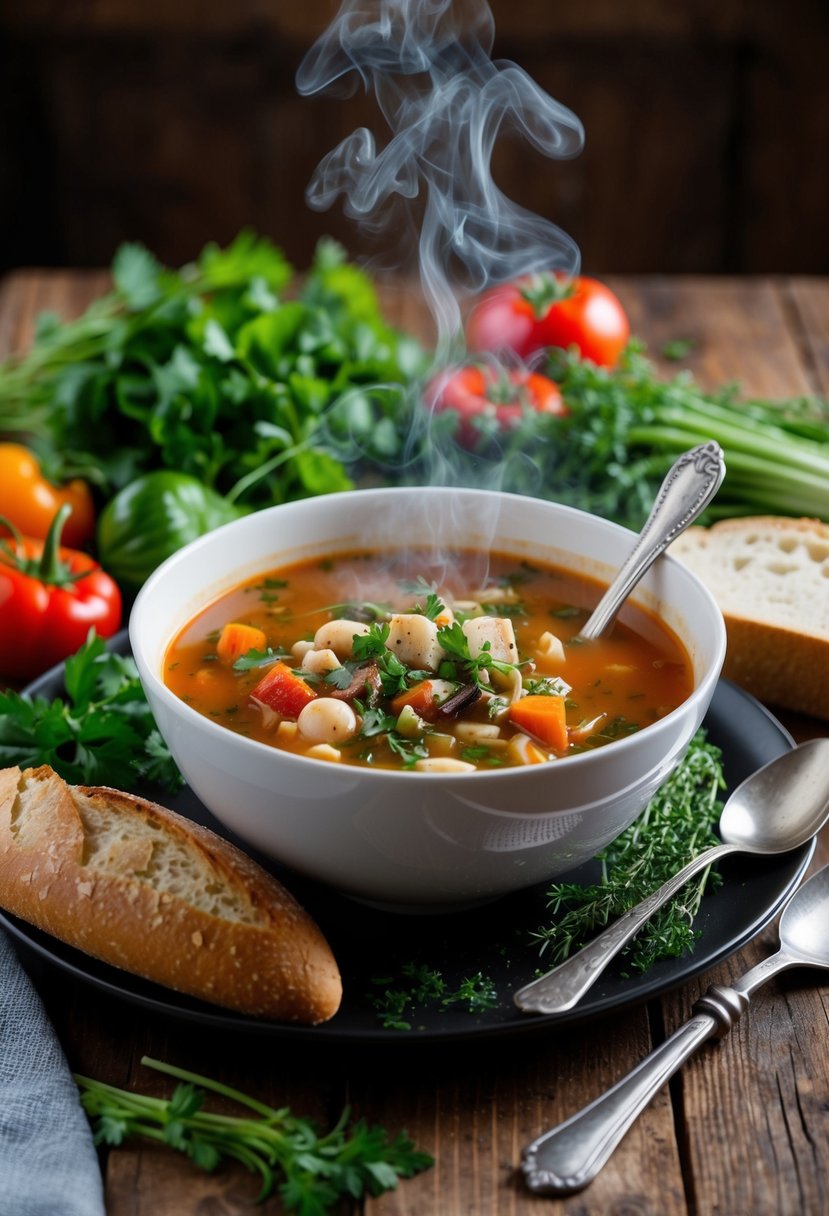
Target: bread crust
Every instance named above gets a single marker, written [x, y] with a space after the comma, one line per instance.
[769, 577]
[265, 956]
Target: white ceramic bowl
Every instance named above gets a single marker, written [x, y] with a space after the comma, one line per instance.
[411, 838]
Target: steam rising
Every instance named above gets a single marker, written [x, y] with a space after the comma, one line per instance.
[446, 102]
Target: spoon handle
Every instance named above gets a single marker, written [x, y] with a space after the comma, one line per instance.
[564, 986]
[685, 493]
[569, 1156]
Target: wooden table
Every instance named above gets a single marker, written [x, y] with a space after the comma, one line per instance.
[743, 1131]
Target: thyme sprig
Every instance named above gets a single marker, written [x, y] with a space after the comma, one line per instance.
[676, 826]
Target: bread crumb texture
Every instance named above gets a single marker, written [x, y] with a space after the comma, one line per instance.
[770, 578]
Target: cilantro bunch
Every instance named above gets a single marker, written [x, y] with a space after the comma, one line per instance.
[223, 370]
[312, 1172]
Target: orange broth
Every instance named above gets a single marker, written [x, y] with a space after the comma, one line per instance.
[611, 687]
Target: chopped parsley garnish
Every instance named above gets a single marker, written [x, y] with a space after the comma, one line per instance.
[258, 658]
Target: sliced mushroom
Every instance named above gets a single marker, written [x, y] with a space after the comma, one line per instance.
[365, 686]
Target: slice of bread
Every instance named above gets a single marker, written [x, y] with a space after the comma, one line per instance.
[770, 577]
[142, 888]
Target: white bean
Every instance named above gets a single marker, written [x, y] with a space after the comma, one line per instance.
[327, 720]
[320, 661]
[324, 751]
[339, 637]
[443, 764]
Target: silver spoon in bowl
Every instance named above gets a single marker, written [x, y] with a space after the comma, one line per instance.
[571, 1155]
[688, 488]
[776, 809]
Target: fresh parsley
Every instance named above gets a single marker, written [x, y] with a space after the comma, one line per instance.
[311, 1171]
[258, 658]
[100, 733]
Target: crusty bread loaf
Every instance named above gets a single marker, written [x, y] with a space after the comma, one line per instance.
[770, 577]
[144, 889]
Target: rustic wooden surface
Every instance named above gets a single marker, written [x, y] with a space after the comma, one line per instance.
[741, 1132]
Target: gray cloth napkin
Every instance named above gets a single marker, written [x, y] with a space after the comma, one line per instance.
[48, 1164]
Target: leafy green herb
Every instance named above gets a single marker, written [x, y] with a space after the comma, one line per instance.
[547, 686]
[409, 750]
[433, 607]
[208, 371]
[372, 645]
[364, 611]
[678, 348]
[311, 1172]
[101, 733]
[419, 987]
[454, 641]
[677, 825]
[258, 658]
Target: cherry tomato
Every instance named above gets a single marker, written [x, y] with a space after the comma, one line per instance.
[477, 393]
[550, 310]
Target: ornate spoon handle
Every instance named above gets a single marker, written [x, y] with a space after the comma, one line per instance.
[564, 986]
[568, 1157]
[685, 493]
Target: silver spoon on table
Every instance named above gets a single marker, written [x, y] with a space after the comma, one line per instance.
[776, 809]
[568, 1157]
[688, 488]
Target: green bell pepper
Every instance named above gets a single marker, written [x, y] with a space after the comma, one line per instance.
[152, 518]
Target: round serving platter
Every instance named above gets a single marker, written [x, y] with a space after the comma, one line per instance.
[373, 947]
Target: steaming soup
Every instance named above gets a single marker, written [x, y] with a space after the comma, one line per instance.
[394, 661]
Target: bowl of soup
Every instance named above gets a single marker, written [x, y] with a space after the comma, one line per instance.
[385, 689]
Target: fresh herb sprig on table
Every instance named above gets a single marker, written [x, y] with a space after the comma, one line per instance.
[100, 733]
[676, 826]
[312, 1172]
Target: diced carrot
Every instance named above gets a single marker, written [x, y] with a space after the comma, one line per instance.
[421, 698]
[283, 692]
[542, 717]
[237, 639]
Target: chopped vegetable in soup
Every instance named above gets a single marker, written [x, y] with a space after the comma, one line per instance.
[471, 662]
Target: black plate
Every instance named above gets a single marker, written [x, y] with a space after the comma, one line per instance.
[493, 940]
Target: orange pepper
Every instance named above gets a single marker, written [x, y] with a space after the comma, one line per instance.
[542, 717]
[31, 502]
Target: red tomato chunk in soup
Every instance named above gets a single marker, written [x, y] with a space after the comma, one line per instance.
[411, 661]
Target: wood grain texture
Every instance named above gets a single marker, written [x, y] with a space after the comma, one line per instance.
[741, 1132]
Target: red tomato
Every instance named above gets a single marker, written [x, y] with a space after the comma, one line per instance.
[550, 310]
[485, 391]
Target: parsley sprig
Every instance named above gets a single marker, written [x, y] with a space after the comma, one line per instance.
[454, 641]
[101, 733]
[312, 1172]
